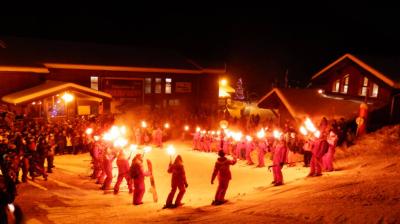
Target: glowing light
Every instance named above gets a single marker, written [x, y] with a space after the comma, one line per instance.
[171, 150]
[33, 103]
[223, 82]
[40, 103]
[58, 101]
[11, 207]
[122, 130]
[133, 147]
[198, 129]
[107, 137]
[317, 134]
[114, 132]
[309, 125]
[237, 136]
[144, 125]
[203, 132]
[292, 135]
[67, 97]
[218, 132]
[261, 134]
[89, 131]
[249, 138]
[303, 130]
[212, 132]
[166, 125]
[320, 91]
[96, 138]
[147, 149]
[120, 142]
[277, 134]
[186, 128]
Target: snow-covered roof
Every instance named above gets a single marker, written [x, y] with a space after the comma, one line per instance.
[51, 87]
[303, 103]
[390, 78]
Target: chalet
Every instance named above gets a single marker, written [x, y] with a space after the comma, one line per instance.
[130, 76]
[338, 89]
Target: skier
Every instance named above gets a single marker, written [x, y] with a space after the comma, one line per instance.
[178, 181]
[221, 169]
[137, 174]
[262, 149]
[278, 159]
[108, 158]
[319, 148]
[123, 170]
[327, 159]
[249, 148]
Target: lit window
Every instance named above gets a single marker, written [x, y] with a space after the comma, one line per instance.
[168, 85]
[147, 85]
[94, 82]
[345, 88]
[375, 90]
[364, 87]
[336, 86]
[158, 86]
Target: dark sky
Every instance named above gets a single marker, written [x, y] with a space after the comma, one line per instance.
[258, 45]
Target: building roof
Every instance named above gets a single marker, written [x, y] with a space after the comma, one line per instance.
[45, 53]
[385, 69]
[51, 87]
[302, 103]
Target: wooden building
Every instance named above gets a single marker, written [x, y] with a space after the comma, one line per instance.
[132, 76]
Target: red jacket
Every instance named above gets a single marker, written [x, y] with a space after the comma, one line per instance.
[178, 174]
[222, 169]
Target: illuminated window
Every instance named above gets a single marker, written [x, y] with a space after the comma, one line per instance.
[345, 87]
[158, 86]
[375, 90]
[364, 87]
[94, 82]
[147, 85]
[168, 85]
[336, 86]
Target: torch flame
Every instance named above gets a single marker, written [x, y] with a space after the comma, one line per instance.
[317, 134]
[147, 149]
[144, 125]
[133, 147]
[303, 130]
[249, 138]
[309, 125]
[120, 142]
[198, 129]
[186, 127]
[166, 125]
[122, 130]
[277, 134]
[96, 137]
[89, 131]
[261, 134]
[171, 150]
[107, 137]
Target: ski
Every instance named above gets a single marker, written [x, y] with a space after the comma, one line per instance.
[152, 183]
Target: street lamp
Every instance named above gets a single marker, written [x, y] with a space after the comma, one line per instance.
[67, 97]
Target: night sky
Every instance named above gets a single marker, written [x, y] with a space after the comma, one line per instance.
[258, 45]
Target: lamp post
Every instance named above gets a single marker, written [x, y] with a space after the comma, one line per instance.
[67, 97]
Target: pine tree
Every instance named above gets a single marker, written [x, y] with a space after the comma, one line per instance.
[239, 92]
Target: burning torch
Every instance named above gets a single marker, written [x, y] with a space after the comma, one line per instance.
[171, 152]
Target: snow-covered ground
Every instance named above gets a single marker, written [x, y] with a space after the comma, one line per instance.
[363, 189]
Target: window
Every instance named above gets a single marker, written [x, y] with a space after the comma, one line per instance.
[173, 102]
[147, 85]
[336, 86]
[364, 87]
[94, 82]
[375, 90]
[158, 85]
[345, 88]
[168, 85]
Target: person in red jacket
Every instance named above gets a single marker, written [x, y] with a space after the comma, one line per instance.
[123, 170]
[221, 169]
[278, 160]
[137, 173]
[178, 181]
[319, 148]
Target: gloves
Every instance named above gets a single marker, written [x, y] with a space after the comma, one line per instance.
[186, 185]
[281, 164]
[212, 182]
